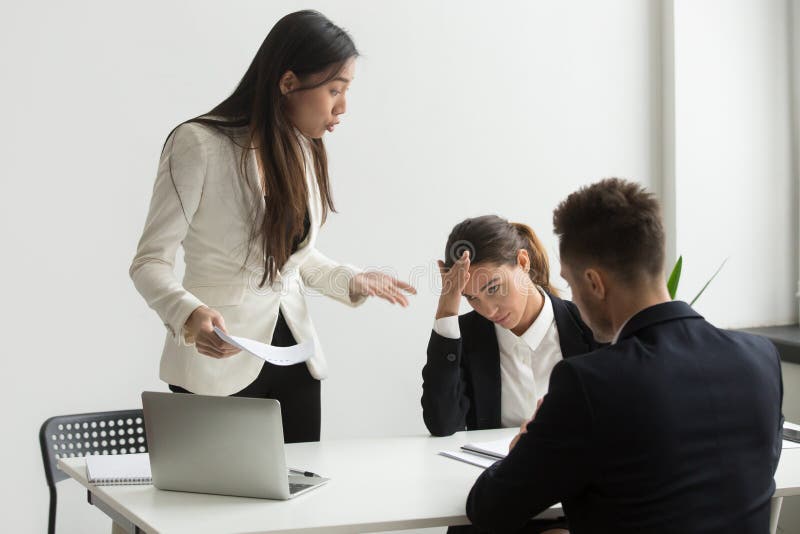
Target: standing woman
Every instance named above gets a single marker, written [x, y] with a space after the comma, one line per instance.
[245, 189]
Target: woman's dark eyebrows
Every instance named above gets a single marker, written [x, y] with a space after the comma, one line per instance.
[490, 282]
[487, 284]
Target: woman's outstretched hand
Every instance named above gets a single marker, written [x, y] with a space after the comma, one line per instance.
[376, 284]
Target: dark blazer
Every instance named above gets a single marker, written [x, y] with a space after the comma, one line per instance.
[675, 428]
[461, 379]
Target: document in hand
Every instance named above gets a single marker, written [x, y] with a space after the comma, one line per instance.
[482, 454]
[274, 355]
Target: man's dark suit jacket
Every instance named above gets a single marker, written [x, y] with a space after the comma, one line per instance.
[675, 428]
[461, 380]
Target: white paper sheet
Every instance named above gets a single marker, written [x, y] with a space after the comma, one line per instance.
[274, 355]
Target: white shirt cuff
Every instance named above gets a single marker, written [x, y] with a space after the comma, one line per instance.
[447, 327]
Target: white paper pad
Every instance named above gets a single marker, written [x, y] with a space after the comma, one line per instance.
[274, 355]
[474, 459]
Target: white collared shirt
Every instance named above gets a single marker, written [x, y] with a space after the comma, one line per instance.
[526, 362]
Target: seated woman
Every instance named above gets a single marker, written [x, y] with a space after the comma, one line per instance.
[489, 368]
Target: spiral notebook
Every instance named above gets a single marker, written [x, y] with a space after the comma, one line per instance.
[119, 470]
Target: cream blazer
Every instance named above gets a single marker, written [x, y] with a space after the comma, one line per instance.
[207, 205]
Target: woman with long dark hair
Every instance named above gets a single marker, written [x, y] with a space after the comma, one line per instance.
[245, 188]
[490, 367]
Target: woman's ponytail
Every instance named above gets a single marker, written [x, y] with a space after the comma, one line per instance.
[540, 265]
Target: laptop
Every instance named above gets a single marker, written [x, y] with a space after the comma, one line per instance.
[220, 445]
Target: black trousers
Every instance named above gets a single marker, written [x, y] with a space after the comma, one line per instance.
[292, 386]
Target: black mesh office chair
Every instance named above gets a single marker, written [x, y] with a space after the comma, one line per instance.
[68, 436]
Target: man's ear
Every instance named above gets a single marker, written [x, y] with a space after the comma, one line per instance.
[596, 283]
[288, 82]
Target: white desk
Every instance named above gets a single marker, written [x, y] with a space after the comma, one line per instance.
[377, 484]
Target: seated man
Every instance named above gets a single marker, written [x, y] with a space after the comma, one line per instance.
[674, 427]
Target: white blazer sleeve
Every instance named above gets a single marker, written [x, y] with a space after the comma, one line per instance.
[330, 278]
[176, 196]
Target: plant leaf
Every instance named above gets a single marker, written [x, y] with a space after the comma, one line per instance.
[674, 278]
[709, 281]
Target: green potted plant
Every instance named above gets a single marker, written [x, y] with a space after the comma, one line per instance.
[675, 277]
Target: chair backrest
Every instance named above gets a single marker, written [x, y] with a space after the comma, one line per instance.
[68, 436]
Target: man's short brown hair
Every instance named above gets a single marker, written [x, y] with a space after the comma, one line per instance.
[615, 224]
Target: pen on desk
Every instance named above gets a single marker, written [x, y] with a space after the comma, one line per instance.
[303, 473]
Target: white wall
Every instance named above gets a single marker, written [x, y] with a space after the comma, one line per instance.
[734, 191]
[458, 109]
[794, 61]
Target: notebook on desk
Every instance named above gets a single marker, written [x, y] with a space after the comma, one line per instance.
[220, 445]
[118, 470]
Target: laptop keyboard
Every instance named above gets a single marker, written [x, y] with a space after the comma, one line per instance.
[294, 488]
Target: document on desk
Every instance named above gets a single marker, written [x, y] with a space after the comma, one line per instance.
[483, 454]
[497, 449]
[469, 458]
[790, 444]
[274, 355]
